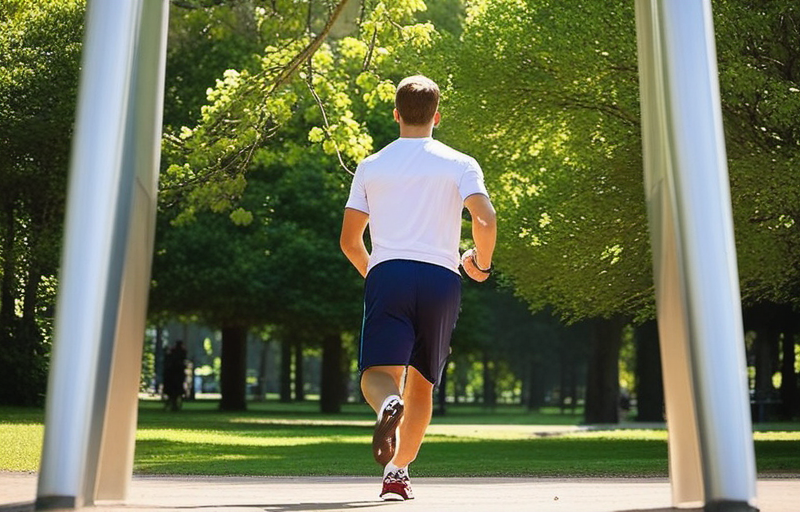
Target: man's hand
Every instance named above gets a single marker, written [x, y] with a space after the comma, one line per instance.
[470, 265]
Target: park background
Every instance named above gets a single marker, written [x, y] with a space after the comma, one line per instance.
[270, 105]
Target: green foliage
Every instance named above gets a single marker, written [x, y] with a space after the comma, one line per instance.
[202, 44]
[213, 268]
[759, 65]
[554, 122]
[247, 107]
[279, 261]
[40, 47]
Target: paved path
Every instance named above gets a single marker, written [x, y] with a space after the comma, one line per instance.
[332, 494]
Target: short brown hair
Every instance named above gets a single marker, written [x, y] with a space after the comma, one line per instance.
[416, 100]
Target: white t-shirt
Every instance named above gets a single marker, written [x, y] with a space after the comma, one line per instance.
[413, 191]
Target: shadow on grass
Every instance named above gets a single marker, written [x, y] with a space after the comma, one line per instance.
[505, 414]
[325, 451]
[440, 457]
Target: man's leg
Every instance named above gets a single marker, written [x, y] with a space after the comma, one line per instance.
[381, 388]
[380, 382]
[418, 398]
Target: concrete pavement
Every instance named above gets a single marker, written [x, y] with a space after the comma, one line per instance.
[339, 494]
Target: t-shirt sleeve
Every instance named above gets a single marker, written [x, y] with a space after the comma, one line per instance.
[472, 181]
[358, 193]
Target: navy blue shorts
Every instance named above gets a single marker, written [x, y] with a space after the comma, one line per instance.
[410, 310]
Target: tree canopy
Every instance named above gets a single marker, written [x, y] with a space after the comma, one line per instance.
[297, 58]
[39, 62]
[555, 122]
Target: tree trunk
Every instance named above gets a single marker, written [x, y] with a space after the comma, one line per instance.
[460, 383]
[7, 284]
[33, 360]
[441, 395]
[159, 356]
[564, 380]
[573, 389]
[790, 401]
[763, 357]
[535, 392]
[263, 362]
[766, 362]
[489, 386]
[29, 300]
[602, 378]
[330, 400]
[234, 368]
[286, 369]
[649, 381]
[299, 380]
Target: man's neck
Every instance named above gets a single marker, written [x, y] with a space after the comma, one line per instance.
[415, 132]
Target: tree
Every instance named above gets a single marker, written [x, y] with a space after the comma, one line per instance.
[320, 294]
[555, 124]
[215, 270]
[39, 62]
[555, 121]
[759, 63]
[248, 106]
[556, 128]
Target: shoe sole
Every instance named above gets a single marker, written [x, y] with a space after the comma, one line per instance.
[384, 438]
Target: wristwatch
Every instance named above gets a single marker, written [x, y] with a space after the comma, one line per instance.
[475, 261]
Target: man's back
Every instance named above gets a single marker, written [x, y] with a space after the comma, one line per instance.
[414, 191]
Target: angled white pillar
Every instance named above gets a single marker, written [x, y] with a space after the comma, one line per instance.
[711, 452]
[141, 164]
[684, 450]
[110, 210]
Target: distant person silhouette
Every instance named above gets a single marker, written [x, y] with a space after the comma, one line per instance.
[175, 376]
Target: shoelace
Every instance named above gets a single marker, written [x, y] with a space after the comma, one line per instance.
[391, 409]
[397, 476]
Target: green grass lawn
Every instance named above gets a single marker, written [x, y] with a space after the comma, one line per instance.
[294, 439]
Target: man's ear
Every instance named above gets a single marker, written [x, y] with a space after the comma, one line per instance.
[396, 115]
[437, 117]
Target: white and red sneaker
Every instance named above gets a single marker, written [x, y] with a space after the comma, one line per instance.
[397, 486]
[384, 440]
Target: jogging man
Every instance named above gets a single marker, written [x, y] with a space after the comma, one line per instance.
[412, 194]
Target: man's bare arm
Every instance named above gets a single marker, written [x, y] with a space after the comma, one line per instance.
[484, 234]
[352, 239]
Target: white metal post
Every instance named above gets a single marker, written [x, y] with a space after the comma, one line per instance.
[684, 450]
[697, 291]
[141, 166]
[110, 130]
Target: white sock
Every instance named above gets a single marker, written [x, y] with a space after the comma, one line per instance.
[386, 402]
[390, 467]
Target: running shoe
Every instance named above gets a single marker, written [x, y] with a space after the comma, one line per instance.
[384, 440]
[397, 486]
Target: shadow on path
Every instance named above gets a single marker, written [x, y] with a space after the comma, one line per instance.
[288, 507]
[17, 507]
